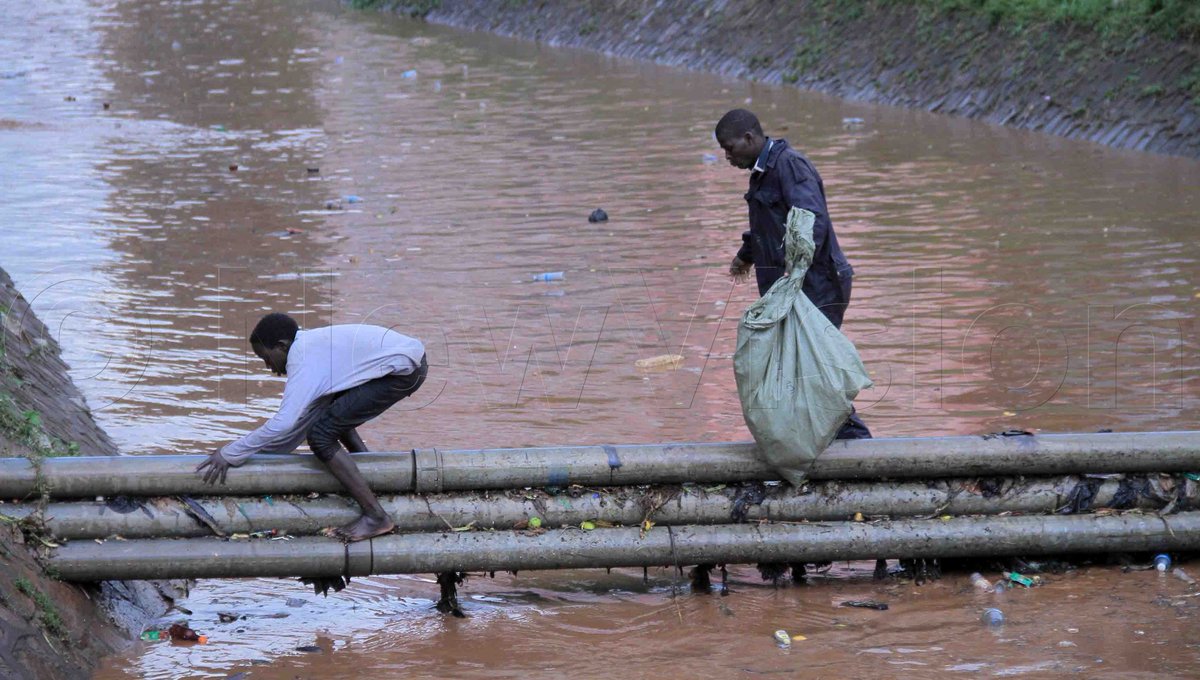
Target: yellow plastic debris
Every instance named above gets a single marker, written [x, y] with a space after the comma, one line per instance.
[660, 361]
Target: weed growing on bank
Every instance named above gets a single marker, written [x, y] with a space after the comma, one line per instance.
[48, 614]
[1112, 19]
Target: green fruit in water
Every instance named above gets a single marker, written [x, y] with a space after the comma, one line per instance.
[535, 522]
[587, 526]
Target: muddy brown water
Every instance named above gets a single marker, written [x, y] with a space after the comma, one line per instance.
[1005, 280]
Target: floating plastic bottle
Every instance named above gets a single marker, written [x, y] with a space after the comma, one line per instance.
[981, 583]
[1183, 576]
[548, 276]
[992, 617]
[660, 360]
[783, 639]
[1000, 587]
[1162, 562]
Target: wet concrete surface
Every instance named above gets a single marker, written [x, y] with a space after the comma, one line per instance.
[174, 171]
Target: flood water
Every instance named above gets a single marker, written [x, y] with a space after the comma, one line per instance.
[173, 170]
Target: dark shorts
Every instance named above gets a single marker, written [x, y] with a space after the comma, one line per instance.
[357, 405]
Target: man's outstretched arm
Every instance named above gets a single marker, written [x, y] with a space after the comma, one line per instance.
[283, 432]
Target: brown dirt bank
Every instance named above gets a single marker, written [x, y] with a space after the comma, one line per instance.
[51, 629]
[1136, 92]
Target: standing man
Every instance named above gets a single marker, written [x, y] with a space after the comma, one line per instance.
[338, 378]
[781, 178]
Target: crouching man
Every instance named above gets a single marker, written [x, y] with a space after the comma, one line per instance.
[338, 378]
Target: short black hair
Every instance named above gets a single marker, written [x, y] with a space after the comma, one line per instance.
[737, 123]
[273, 329]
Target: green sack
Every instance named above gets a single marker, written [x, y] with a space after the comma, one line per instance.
[797, 375]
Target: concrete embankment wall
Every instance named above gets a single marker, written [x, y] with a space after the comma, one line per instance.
[51, 629]
[1137, 93]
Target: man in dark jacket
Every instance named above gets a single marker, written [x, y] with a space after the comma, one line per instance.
[781, 178]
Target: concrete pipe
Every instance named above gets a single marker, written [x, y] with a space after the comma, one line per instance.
[624, 547]
[673, 505]
[434, 470]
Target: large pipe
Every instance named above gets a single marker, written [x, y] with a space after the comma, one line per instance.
[675, 505]
[624, 547]
[432, 470]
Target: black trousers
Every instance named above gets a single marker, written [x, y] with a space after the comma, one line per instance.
[854, 428]
[349, 409]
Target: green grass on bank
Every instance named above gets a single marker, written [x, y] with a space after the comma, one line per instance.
[413, 8]
[1175, 19]
[48, 614]
[25, 427]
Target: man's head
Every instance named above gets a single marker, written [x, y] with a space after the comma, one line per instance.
[271, 340]
[741, 136]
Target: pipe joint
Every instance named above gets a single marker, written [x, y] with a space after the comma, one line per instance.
[427, 464]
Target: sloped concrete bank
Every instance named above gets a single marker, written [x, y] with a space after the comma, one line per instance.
[1134, 92]
[48, 628]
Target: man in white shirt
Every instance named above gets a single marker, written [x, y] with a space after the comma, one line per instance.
[338, 378]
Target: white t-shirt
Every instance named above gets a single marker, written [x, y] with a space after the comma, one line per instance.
[321, 362]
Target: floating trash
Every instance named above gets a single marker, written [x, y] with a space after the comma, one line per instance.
[660, 361]
[992, 616]
[867, 604]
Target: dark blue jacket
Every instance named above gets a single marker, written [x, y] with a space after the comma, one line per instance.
[788, 181]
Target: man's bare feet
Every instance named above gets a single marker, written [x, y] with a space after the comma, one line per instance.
[365, 527]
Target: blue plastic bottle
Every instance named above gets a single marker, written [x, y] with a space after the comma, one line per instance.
[1162, 562]
[992, 617]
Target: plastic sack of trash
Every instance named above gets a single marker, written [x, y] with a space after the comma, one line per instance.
[797, 375]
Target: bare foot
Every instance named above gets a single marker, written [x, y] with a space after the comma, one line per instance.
[365, 527]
